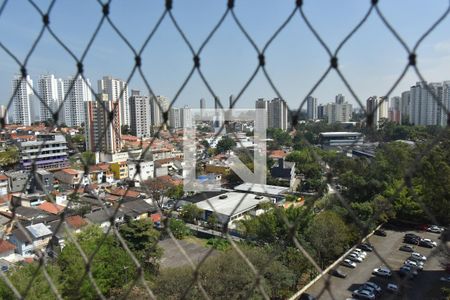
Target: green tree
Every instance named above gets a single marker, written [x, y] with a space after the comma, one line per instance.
[178, 228]
[88, 158]
[226, 143]
[125, 129]
[175, 192]
[142, 239]
[212, 220]
[190, 213]
[111, 266]
[22, 275]
[10, 156]
[329, 236]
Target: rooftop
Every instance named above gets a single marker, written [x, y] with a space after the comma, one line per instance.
[235, 203]
[331, 134]
[271, 190]
[38, 230]
[6, 246]
[52, 208]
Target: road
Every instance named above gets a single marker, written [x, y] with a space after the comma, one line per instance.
[424, 286]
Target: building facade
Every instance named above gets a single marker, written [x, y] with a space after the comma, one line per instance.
[117, 91]
[426, 101]
[22, 92]
[78, 91]
[338, 112]
[140, 115]
[48, 152]
[51, 92]
[311, 108]
[102, 133]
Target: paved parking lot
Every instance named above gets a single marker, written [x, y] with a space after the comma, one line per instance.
[424, 286]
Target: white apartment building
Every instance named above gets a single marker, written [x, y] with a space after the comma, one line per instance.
[379, 107]
[424, 108]
[159, 105]
[22, 92]
[117, 90]
[175, 118]
[140, 115]
[339, 112]
[51, 91]
[78, 91]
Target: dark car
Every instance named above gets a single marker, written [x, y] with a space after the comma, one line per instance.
[338, 273]
[366, 247]
[380, 232]
[412, 240]
[411, 235]
[407, 248]
[426, 244]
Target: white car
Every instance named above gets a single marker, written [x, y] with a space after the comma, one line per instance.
[445, 279]
[430, 241]
[418, 256]
[361, 253]
[354, 257]
[414, 264]
[358, 254]
[348, 263]
[382, 271]
[435, 229]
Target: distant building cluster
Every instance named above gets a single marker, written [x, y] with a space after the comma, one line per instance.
[277, 112]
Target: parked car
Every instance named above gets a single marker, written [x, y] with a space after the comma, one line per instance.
[435, 229]
[382, 271]
[306, 296]
[354, 257]
[412, 240]
[358, 254]
[375, 286]
[411, 235]
[338, 273]
[445, 279]
[361, 253]
[348, 263]
[413, 264]
[407, 248]
[392, 287]
[363, 294]
[366, 247]
[429, 241]
[380, 232]
[418, 256]
[407, 271]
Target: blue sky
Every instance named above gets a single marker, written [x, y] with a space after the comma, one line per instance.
[371, 60]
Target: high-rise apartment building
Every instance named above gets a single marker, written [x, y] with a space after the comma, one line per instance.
[78, 91]
[424, 104]
[117, 90]
[379, 108]
[311, 108]
[278, 114]
[102, 133]
[405, 107]
[22, 89]
[339, 99]
[186, 117]
[51, 92]
[321, 111]
[395, 110]
[339, 112]
[175, 118]
[140, 115]
[159, 105]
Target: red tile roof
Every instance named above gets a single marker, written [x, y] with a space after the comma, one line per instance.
[277, 154]
[76, 221]
[6, 246]
[70, 171]
[3, 177]
[124, 192]
[155, 217]
[51, 207]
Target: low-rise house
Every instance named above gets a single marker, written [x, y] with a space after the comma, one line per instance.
[51, 208]
[28, 200]
[102, 217]
[146, 170]
[101, 173]
[3, 184]
[42, 181]
[28, 213]
[72, 223]
[284, 170]
[120, 170]
[31, 239]
[127, 194]
[137, 209]
[6, 249]
[71, 178]
[18, 181]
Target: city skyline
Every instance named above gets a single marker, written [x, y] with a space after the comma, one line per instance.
[166, 67]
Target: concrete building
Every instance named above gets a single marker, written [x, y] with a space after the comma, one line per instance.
[4, 114]
[147, 170]
[311, 108]
[18, 181]
[22, 93]
[37, 238]
[158, 106]
[175, 118]
[284, 170]
[340, 139]
[378, 107]
[278, 114]
[338, 112]
[424, 108]
[405, 107]
[51, 92]
[117, 91]
[202, 107]
[339, 99]
[78, 91]
[140, 115]
[321, 112]
[102, 133]
[395, 110]
[49, 152]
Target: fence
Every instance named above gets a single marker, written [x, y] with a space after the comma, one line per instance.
[261, 57]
